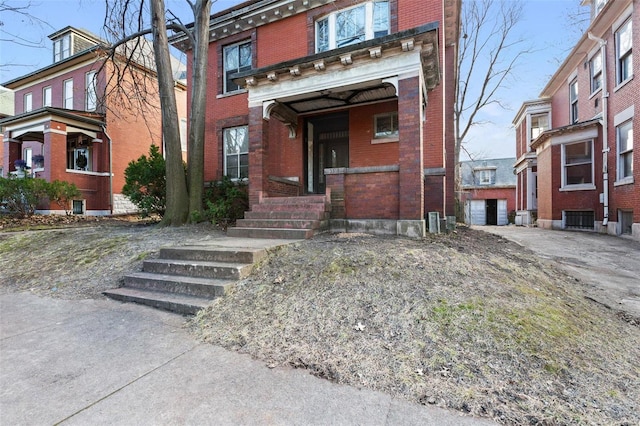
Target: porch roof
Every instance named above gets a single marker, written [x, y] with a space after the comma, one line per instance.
[546, 135]
[31, 125]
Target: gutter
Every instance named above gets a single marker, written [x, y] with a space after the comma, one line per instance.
[605, 129]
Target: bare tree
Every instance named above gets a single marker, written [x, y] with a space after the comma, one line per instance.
[20, 11]
[125, 21]
[488, 52]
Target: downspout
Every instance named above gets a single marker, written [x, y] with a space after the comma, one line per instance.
[605, 128]
[104, 130]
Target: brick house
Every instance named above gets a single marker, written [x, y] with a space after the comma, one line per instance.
[575, 165]
[68, 125]
[488, 191]
[349, 102]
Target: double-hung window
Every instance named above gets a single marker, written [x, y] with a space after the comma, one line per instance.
[28, 102]
[624, 136]
[577, 163]
[237, 58]
[624, 54]
[365, 21]
[46, 96]
[539, 123]
[573, 101]
[595, 71]
[62, 48]
[67, 94]
[236, 152]
[91, 91]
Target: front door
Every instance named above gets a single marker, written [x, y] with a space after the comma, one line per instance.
[327, 140]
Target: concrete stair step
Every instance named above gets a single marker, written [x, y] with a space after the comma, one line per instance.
[276, 233]
[197, 268]
[303, 214]
[213, 254]
[291, 207]
[306, 199]
[179, 303]
[190, 286]
[279, 223]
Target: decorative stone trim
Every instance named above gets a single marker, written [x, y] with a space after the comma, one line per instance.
[361, 170]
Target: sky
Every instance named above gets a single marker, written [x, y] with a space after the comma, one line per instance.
[544, 27]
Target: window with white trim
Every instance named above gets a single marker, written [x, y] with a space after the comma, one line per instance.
[624, 53]
[91, 91]
[79, 154]
[386, 125]
[62, 48]
[28, 102]
[573, 101]
[485, 176]
[624, 138]
[67, 94]
[46, 96]
[236, 152]
[539, 123]
[577, 163]
[237, 58]
[595, 72]
[27, 156]
[365, 21]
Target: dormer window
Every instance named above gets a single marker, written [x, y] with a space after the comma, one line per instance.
[485, 176]
[62, 48]
[365, 21]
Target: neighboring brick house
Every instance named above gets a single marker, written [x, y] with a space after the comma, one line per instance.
[577, 140]
[352, 98]
[488, 191]
[65, 128]
[6, 110]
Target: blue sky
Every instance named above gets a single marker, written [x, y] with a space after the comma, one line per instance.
[544, 26]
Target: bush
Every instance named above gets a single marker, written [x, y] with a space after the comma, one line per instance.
[226, 201]
[20, 196]
[145, 182]
[61, 193]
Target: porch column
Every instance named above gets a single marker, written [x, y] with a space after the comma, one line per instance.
[55, 151]
[258, 149]
[411, 181]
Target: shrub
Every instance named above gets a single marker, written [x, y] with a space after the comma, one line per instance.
[61, 193]
[20, 196]
[226, 201]
[145, 182]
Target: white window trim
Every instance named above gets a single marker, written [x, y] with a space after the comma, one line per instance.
[224, 152]
[623, 20]
[28, 102]
[626, 179]
[581, 186]
[530, 125]
[591, 75]
[44, 96]
[394, 137]
[91, 91]
[65, 94]
[572, 119]
[331, 19]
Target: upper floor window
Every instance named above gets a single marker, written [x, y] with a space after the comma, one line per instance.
[485, 176]
[91, 91]
[353, 25]
[28, 102]
[539, 123]
[67, 94]
[46, 96]
[598, 6]
[237, 58]
[624, 136]
[595, 71]
[573, 101]
[62, 48]
[624, 56]
[577, 163]
[236, 152]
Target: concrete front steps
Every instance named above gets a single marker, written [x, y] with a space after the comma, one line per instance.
[185, 279]
[284, 218]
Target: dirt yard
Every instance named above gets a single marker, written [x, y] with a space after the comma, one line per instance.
[468, 321]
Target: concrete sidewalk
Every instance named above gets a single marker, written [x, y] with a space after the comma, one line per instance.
[102, 362]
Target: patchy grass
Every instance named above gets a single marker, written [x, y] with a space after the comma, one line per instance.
[466, 321]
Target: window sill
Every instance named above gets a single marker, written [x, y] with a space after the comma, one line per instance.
[622, 84]
[385, 140]
[580, 187]
[596, 92]
[625, 181]
[83, 172]
[229, 94]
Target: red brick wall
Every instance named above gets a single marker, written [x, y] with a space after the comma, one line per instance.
[508, 194]
[361, 151]
[411, 179]
[372, 195]
[275, 48]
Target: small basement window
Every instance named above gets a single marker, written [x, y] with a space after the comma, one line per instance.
[78, 206]
[579, 219]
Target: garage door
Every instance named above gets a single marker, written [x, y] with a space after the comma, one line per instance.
[478, 212]
[503, 217]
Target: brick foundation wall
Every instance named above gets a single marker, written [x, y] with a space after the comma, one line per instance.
[371, 196]
[278, 187]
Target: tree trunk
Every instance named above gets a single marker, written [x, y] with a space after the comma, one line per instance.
[198, 106]
[177, 197]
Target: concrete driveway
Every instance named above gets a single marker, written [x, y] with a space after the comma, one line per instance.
[608, 266]
[100, 362]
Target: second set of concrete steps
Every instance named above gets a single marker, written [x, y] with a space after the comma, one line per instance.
[284, 218]
[185, 279]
